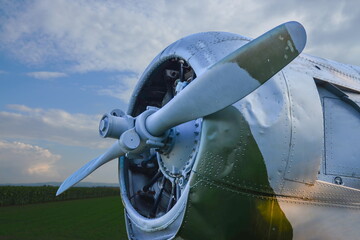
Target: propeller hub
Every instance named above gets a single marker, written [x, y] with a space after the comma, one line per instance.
[178, 161]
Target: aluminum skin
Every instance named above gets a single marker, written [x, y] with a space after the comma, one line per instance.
[260, 172]
[232, 138]
[230, 195]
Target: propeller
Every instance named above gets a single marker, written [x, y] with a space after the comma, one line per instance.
[232, 78]
[224, 83]
[113, 152]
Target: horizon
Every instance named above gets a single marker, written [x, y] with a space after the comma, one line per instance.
[57, 184]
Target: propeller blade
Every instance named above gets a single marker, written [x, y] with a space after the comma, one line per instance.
[232, 78]
[113, 152]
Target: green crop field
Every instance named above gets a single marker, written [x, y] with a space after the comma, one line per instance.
[95, 218]
[20, 195]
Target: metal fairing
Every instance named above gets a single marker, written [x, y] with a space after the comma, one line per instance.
[230, 195]
[268, 166]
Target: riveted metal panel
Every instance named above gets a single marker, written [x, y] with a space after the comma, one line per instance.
[313, 220]
[230, 195]
[307, 134]
[340, 74]
[266, 110]
[342, 133]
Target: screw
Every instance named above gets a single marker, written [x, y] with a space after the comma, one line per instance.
[338, 180]
[180, 181]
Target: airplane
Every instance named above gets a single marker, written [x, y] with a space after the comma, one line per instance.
[228, 137]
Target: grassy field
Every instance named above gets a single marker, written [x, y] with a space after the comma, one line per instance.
[21, 195]
[96, 218]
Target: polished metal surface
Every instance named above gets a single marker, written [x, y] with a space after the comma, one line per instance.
[287, 119]
[276, 161]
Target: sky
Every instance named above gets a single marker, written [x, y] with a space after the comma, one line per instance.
[64, 63]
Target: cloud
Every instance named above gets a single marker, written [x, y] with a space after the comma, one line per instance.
[126, 35]
[122, 88]
[21, 162]
[46, 75]
[54, 125]
[330, 26]
[92, 35]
